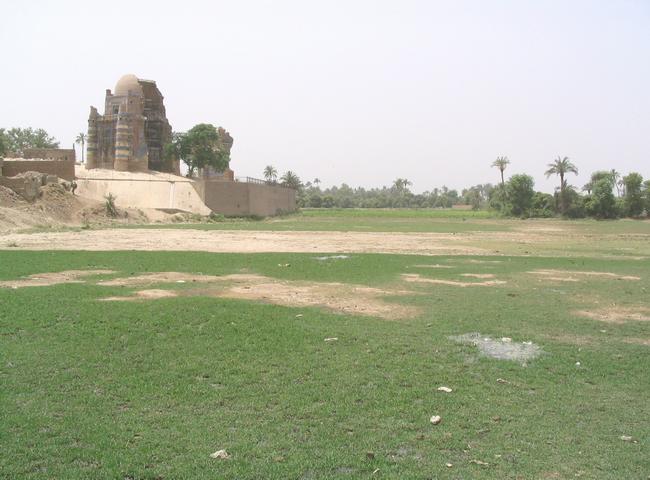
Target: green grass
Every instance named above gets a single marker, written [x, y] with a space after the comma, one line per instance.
[149, 390]
[368, 220]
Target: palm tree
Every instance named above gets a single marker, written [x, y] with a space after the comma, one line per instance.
[401, 184]
[501, 163]
[270, 174]
[561, 166]
[81, 138]
[291, 180]
[316, 181]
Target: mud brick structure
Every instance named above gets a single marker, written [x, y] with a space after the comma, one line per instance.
[132, 132]
[51, 161]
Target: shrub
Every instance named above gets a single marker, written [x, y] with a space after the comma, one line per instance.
[111, 209]
[543, 205]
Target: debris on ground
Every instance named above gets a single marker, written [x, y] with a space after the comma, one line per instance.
[331, 339]
[435, 419]
[500, 349]
[220, 454]
[444, 389]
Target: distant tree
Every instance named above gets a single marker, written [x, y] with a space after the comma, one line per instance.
[519, 194]
[270, 174]
[315, 201]
[473, 197]
[501, 163]
[543, 205]
[16, 140]
[602, 175]
[633, 201]
[401, 185]
[602, 203]
[560, 167]
[200, 147]
[81, 138]
[646, 196]
[316, 182]
[291, 180]
[3, 147]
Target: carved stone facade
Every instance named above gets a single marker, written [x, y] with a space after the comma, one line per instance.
[133, 131]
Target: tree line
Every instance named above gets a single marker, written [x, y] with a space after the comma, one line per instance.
[608, 194]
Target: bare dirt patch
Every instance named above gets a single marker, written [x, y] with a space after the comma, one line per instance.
[52, 278]
[245, 241]
[436, 265]
[415, 278]
[338, 297]
[501, 349]
[480, 262]
[163, 277]
[638, 341]
[617, 314]
[477, 275]
[152, 294]
[569, 275]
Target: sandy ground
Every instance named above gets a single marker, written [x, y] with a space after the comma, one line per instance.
[246, 241]
[242, 241]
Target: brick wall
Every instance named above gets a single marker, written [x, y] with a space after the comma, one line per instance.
[61, 168]
[240, 198]
[50, 154]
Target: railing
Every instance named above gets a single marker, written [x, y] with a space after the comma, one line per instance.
[250, 180]
[258, 181]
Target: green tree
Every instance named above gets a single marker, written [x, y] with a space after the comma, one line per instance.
[501, 163]
[291, 180]
[16, 140]
[400, 185]
[602, 203]
[633, 203]
[3, 147]
[560, 167]
[270, 174]
[81, 138]
[543, 205]
[519, 194]
[200, 147]
[646, 196]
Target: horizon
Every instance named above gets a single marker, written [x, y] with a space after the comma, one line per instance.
[358, 93]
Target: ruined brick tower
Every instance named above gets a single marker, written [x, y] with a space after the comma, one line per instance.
[133, 131]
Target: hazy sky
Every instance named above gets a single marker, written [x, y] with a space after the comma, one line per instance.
[354, 91]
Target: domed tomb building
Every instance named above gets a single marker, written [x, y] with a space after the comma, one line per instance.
[133, 131]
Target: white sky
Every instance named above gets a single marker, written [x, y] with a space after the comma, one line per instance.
[354, 91]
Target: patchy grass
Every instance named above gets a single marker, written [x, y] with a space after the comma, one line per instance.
[363, 220]
[149, 389]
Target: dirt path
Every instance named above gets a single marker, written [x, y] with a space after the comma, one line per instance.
[242, 241]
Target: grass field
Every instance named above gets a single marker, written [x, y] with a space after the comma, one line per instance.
[148, 389]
